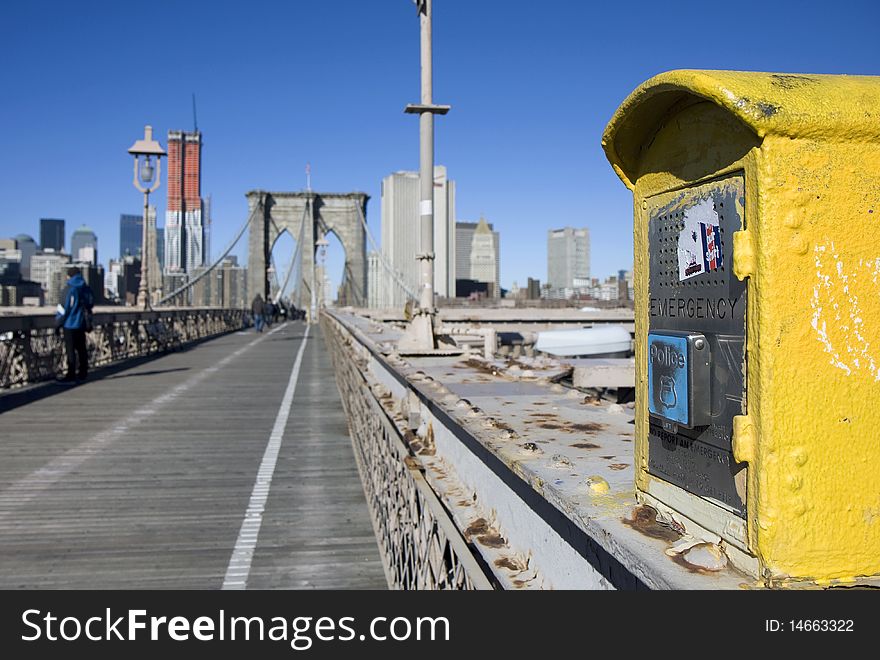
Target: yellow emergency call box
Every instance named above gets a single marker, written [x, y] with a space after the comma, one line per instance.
[757, 296]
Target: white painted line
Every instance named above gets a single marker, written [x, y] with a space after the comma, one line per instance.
[243, 553]
[27, 488]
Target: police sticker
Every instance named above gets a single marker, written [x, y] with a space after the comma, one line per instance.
[699, 242]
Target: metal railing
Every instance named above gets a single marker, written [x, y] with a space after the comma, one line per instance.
[420, 545]
[31, 350]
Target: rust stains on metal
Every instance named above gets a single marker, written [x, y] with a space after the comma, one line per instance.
[479, 526]
[587, 427]
[492, 540]
[511, 564]
[644, 520]
[503, 426]
[585, 445]
[430, 448]
[546, 422]
[619, 466]
[485, 367]
[684, 563]
[485, 534]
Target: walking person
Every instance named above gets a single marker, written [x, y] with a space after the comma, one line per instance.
[75, 318]
[257, 307]
[269, 313]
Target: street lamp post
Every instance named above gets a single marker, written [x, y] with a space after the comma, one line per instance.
[147, 180]
[420, 334]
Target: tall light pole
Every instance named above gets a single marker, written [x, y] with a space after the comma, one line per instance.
[420, 334]
[322, 244]
[147, 180]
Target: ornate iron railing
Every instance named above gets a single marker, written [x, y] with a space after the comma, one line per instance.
[31, 350]
[421, 546]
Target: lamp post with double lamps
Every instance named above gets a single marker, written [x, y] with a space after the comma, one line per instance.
[147, 180]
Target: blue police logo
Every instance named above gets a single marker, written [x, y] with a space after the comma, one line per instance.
[668, 378]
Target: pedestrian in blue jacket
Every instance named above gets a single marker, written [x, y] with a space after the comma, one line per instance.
[76, 321]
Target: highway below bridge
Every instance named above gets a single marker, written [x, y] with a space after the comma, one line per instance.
[227, 464]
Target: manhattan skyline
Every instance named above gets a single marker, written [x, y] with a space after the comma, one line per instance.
[531, 91]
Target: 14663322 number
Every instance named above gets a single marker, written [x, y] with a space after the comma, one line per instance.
[821, 625]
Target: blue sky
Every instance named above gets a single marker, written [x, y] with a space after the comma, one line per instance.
[283, 83]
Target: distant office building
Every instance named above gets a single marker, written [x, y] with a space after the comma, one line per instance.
[401, 240]
[48, 269]
[22, 292]
[464, 236]
[52, 234]
[129, 281]
[14, 290]
[473, 289]
[232, 284]
[484, 263]
[131, 235]
[86, 255]
[624, 285]
[82, 238]
[375, 280]
[171, 282]
[464, 239]
[160, 243]
[568, 260]
[111, 279]
[204, 291]
[28, 248]
[184, 228]
[533, 291]
[225, 286]
[10, 261]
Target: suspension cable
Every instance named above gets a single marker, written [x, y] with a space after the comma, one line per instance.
[293, 262]
[391, 271]
[190, 282]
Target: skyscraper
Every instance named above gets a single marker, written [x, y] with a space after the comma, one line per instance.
[484, 264]
[184, 229]
[401, 240]
[48, 268]
[131, 234]
[375, 280]
[82, 239]
[568, 260]
[464, 236]
[28, 248]
[160, 246]
[52, 234]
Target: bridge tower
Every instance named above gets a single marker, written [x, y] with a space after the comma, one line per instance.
[302, 214]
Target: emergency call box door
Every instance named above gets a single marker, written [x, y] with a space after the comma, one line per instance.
[692, 289]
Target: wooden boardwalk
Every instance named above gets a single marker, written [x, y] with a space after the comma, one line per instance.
[142, 478]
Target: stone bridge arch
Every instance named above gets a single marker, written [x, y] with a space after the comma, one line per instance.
[320, 212]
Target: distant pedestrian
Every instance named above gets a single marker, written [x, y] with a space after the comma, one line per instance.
[258, 308]
[269, 313]
[75, 318]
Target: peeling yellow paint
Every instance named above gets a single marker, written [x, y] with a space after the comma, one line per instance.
[598, 485]
[745, 440]
[808, 147]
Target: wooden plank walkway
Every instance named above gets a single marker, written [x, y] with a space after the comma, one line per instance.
[141, 479]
